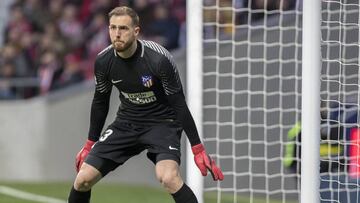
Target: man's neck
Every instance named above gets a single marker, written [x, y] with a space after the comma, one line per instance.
[129, 52]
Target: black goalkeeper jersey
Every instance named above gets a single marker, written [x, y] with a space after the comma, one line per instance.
[146, 81]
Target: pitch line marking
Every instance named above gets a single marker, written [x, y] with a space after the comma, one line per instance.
[28, 196]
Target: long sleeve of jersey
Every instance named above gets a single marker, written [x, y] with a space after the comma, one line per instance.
[100, 103]
[177, 101]
[174, 94]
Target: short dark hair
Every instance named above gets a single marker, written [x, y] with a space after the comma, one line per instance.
[124, 10]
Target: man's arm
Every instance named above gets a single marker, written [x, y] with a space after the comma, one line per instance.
[101, 100]
[178, 103]
[98, 114]
[203, 161]
[99, 111]
[169, 76]
[176, 98]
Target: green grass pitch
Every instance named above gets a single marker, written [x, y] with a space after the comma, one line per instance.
[110, 193]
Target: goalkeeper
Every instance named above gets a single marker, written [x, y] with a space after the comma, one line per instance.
[151, 117]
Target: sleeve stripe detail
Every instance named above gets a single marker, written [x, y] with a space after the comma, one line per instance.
[142, 49]
[102, 85]
[103, 88]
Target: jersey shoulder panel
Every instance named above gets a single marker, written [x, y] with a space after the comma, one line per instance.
[164, 66]
[159, 50]
[106, 53]
[101, 69]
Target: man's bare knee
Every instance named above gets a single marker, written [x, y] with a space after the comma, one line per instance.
[81, 185]
[86, 178]
[169, 179]
[168, 175]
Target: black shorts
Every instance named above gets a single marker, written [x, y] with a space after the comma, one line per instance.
[123, 140]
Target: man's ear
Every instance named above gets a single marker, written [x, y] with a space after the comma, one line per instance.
[137, 30]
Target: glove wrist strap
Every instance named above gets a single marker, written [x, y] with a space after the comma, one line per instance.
[89, 144]
[196, 149]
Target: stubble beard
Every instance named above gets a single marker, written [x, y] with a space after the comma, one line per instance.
[122, 46]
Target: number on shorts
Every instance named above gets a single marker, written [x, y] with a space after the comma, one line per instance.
[107, 133]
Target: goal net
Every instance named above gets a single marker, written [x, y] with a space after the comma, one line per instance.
[251, 112]
[340, 94]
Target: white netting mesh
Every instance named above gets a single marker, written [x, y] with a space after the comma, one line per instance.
[252, 97]
[340, 101]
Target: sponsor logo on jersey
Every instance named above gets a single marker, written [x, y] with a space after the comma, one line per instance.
[140, 97]
[147, 80]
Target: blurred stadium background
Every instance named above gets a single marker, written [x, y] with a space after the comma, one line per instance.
[46, 86]
[47, 50]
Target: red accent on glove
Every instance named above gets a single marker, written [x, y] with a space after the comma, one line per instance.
[204, 162]
[80, 157]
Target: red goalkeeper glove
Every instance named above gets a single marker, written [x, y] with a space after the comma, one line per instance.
[80, 157]
[204, 162]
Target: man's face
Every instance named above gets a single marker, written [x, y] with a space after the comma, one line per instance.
[122, 32]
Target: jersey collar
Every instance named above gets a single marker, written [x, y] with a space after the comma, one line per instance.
[140, 48]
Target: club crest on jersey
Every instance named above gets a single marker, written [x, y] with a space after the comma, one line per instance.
[147, 81]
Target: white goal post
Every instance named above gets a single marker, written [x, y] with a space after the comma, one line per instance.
[273, 86]
[194, 90]
[310, 102]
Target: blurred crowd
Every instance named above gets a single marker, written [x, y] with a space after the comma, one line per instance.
[230, 13]
[50, 45]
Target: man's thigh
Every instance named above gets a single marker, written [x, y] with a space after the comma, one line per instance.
[115, 146]
[163, 142]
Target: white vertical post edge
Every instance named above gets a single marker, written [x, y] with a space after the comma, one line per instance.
[194, 86]
[310, 113]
